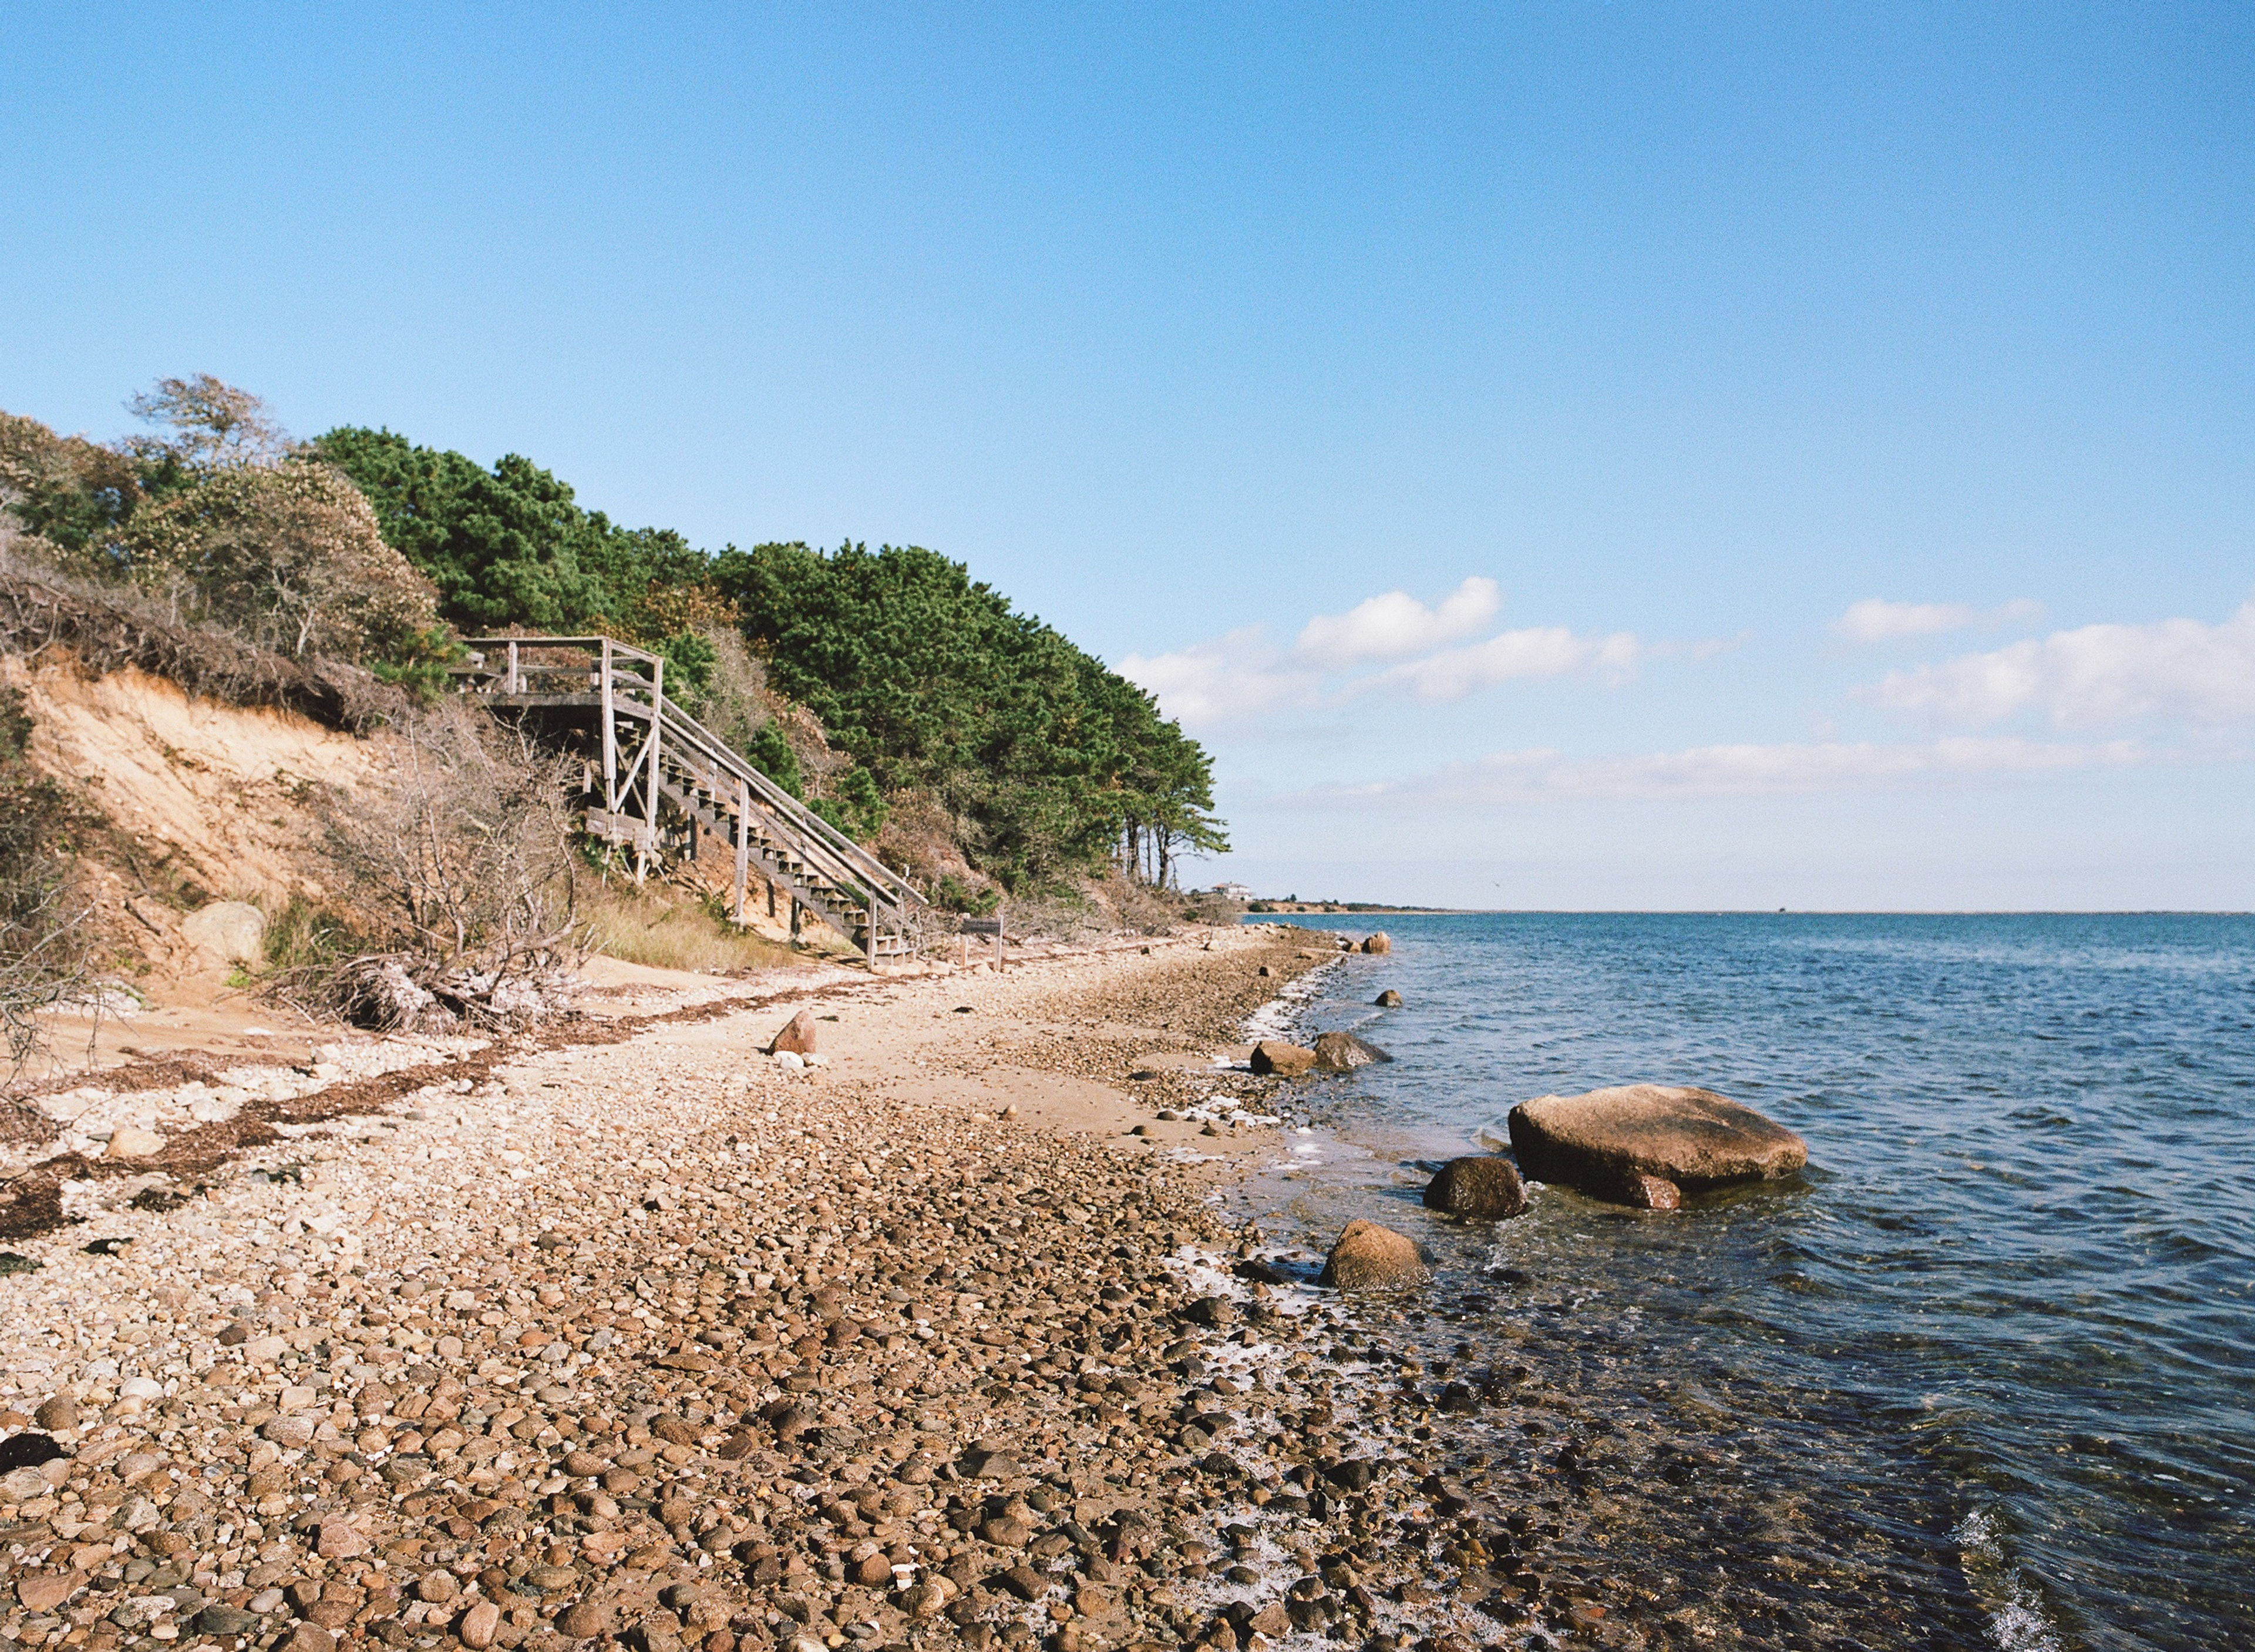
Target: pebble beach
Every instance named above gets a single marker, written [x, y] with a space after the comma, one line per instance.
[627, 1333]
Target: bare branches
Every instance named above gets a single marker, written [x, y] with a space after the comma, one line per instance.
[213, 424]
[105, 628]
[468, 867]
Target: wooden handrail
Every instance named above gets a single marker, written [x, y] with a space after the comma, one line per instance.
[804, 833]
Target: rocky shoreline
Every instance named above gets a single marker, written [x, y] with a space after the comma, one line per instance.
[657, 1342]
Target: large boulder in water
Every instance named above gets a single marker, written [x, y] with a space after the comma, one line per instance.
[1608, 1142]
[1377, 942]
[1343, 1051]
[1368, 1257]
[1484, 1187]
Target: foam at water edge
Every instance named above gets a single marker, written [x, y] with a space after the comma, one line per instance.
[2016, 1623]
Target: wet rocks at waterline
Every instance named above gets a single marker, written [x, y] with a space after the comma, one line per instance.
[1483, 1186]
[1272, 1058]
[1343, 1053]
[1612, 1144]
[1378, 943]
[1368, 1257]
[1388, 1000]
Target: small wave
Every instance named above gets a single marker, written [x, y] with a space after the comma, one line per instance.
[2016, 1622]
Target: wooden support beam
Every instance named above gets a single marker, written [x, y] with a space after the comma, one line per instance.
[610, 738]
[744, 846]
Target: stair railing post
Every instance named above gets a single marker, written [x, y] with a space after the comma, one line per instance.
[513, 680]
[743, 843]
[610, 739]
[870, 946]
[649, 786]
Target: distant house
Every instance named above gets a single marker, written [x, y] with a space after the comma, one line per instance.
[1232, 891]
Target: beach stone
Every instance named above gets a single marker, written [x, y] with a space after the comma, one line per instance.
[1652, 1192]
[1389, 1000]
[1599, 1141]
[22, 1484]
[584, 1621]
[307, 1637]
[1368, 1257]
[46, 1590]
[1343, 1053]
[1484, 1187]
[1271, 1057]
[340, 1540]
[131, 1142]
[222, 1621]
[797, 1037]
[478, 1624]
[57, 1414]
[1378, 943]
[233, 931]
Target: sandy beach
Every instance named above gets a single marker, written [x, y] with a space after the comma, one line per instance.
[631, 1332]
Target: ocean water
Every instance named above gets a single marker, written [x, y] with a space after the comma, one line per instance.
[1984, 1374]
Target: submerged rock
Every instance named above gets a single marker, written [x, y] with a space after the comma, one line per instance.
[1343, 1051]
[1378, 942]
[1484, 1187]
[1389, 1000]
[1652, 1192]
[1368, 1257]
[1603, 1142]
[1273, 1056]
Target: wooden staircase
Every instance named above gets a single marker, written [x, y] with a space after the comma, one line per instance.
[656, 781]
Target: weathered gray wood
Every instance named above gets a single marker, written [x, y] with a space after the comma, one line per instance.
[744, 846]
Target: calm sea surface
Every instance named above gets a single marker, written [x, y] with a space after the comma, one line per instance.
[1986, 1372]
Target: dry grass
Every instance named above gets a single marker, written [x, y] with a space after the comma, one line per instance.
[666, 928]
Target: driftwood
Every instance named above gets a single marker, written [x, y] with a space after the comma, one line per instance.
[102, 630]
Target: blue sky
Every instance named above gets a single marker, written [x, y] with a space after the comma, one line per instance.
[1481, 424]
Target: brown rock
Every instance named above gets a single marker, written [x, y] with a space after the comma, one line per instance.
[1601, 1140]
[583, 1464]
[1368, 1257]
[1378, 943]
[1283, 1060]
[1024, 1582]
[1652, 1192]
[307, 1637]
[584, 1620]
[1343, 1053]
[478, 1624]
[875, 1572]
[1005, 1532]
[57, 1414]
[797, 1037]
[1389, 1000]
[48, 1591]
[1484, 1187]
[437, 1585]
[340, 1540]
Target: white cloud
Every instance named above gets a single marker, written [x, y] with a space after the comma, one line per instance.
[2099, 675]
[1391, 625]
[1242, 676]
[1544, 651]
[1874, 620]
[1728, 771]
[1224, 679]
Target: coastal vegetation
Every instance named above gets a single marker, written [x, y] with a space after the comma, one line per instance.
[908, 703]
